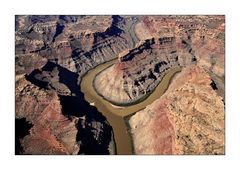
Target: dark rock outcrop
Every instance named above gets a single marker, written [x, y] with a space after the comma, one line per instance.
[22, 128]
[91, 133]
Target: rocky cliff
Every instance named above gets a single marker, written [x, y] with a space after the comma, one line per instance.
[52, 53]
[173, 41]
[187, 119]
[63, 122]
[77, 43]
[140, 70]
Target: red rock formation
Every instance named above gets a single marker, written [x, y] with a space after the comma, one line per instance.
[181, 122]
[148, 21]
[163, 143]
[187, 119]
[63, 122]
[139, 70]
[52, 133]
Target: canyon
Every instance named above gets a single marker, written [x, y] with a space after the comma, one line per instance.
[179, 122]
[119, 84]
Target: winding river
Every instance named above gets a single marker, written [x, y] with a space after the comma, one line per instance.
[114, 114]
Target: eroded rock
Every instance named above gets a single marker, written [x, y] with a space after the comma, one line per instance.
[187, 119]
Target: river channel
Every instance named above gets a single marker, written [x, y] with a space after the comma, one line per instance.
[114, 114]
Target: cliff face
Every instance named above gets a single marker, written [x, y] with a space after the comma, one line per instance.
[187, 119]
[173, 41]
[52, 53]
[52, 132]
[62, 121]
[77, 43]
[140, 70]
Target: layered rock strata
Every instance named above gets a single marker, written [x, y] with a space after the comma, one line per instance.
[52, 53]
[77, 43]
[187, 119]
[63, 122]
[139, 71]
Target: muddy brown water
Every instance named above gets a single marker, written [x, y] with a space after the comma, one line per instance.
[114, 114]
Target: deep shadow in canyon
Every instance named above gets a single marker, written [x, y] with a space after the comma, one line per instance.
[94, 132]
[96, 135]
[22, 128]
